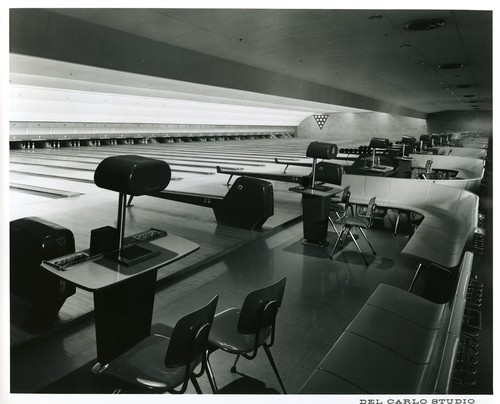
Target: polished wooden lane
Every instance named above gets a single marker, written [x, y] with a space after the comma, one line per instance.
[96, 207]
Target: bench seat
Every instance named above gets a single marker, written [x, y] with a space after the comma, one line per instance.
[388, 329]
[398, 343]
[323, 382]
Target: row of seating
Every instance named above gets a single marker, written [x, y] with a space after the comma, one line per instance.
[463, 152]
[399, 343]
[470, 170]
[449, 214]
[161, 363]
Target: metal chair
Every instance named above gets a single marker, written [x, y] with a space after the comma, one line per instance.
[361, 222]
[340, 207]
[159, 363]
[243, 331]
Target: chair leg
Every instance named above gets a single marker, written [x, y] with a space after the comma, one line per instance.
[397, 223]
[415, 277]
[366, 238]
[337, 242]
[233, 368]
[333, 225]
[211, 378]
[195, 384]
[271, 360]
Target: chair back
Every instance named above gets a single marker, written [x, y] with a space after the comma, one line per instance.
[260, 308]
[379, 143]
[190, 336]
[409, 140]
[346, 195]
[329, 172]
[370, 210]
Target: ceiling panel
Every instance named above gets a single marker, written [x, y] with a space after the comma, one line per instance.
[238, 28]
[287, 18]
[342, 49]
[161, 28]
[264, 37]
[473, 17]
[402, 17]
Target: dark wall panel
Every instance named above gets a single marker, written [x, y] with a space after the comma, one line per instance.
[64, 33]
[28, 31]
[121, 51]
[40, 33]
[480, 122]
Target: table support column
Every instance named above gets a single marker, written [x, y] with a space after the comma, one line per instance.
[316, 209]
[123, 314]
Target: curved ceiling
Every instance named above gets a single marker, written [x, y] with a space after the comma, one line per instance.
[44, 89]
[347, 60]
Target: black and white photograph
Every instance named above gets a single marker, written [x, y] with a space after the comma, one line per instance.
[259, 200]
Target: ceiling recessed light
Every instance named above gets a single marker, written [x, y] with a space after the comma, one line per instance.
[463, 85]
[469, 95]
[448, 66]
[376, 17]
[472, 101]
[426, 24]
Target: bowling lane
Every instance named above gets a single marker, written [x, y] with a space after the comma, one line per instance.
[47, 159]
[96, 157]
[72, 168]
[66, 184]
[79, 163]
[81, 175]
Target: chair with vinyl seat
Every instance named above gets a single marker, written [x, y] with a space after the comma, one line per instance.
[243, 331]
[340, 207]
[160, 364]
[361, 222]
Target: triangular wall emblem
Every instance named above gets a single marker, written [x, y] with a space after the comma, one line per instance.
[320, 120]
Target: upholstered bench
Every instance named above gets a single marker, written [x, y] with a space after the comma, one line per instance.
[399, 343]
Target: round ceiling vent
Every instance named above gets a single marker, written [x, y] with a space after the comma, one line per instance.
[449, 66]
[426, 24]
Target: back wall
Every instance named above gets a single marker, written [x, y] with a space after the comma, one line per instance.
[359, 128]
[480, 122]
